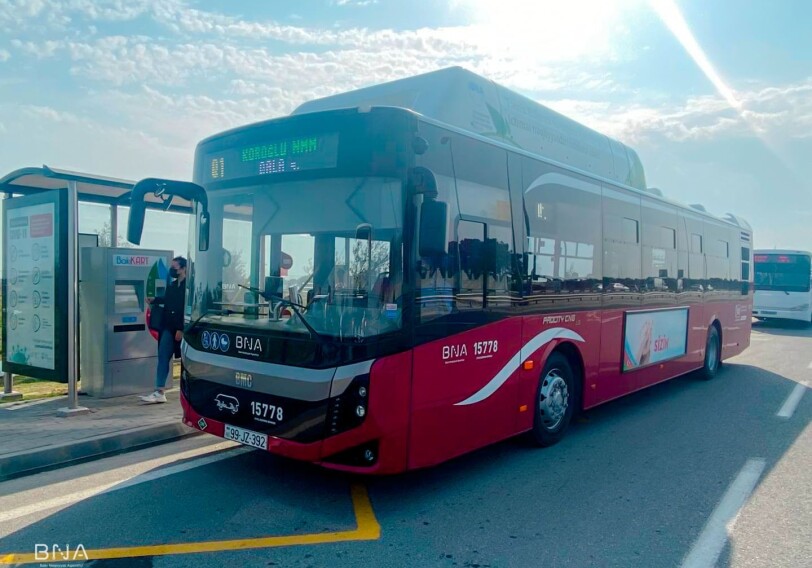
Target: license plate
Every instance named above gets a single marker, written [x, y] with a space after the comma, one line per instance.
[247, 437]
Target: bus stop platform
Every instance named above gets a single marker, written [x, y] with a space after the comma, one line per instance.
[34, 438]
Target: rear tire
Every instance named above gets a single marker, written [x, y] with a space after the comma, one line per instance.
[713, 355]
[556, 398]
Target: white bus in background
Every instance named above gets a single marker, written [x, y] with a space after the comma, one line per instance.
[783, 280]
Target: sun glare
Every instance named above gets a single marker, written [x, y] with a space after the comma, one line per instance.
[669, 13]
[672, 18]
[548, 31]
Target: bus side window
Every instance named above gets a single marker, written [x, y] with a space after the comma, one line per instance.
[471, 267]
[499, 249]
[745, 271]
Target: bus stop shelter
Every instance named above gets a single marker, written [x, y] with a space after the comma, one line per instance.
[86, 188]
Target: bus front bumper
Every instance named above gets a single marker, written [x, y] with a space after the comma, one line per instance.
[789, 314]
[364, 449]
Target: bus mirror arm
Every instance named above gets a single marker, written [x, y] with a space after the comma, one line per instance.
[421, 181]
[166, 189]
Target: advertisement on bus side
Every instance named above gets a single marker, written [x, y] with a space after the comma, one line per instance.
[654, 336]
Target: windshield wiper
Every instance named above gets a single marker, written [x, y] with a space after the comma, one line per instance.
[297, 309]
[261, 293]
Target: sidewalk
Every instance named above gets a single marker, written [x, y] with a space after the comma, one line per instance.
[33, 437]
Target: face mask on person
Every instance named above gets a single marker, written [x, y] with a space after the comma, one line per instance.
[173, 272]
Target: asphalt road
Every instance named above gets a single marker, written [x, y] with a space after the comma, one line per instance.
[687, 473]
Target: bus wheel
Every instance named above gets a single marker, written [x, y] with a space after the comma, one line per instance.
[713, 355]
[556, 398]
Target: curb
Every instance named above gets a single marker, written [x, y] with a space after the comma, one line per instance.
[41, 459]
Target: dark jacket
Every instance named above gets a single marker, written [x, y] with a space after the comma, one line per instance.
[174, 303]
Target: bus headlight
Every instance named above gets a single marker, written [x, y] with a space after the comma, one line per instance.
[349, 409]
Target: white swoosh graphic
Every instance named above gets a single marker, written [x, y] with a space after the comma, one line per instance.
[510, 367]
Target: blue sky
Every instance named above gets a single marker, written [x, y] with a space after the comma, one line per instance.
[720, 114]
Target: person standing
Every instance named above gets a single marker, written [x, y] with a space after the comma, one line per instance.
[171, 334]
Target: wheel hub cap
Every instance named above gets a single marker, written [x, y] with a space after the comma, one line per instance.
[553, 399]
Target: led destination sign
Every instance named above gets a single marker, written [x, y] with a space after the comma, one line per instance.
[273, 157]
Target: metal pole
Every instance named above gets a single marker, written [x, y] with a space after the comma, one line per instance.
[9, 394]
[114, 225]
[73, 407]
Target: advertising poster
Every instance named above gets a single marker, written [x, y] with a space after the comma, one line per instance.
[32, 286]
[654, 336]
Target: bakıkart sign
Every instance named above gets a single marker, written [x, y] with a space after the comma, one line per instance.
[135, 260]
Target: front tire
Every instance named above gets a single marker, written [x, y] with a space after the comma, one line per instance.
[556, 399]
[713, 355]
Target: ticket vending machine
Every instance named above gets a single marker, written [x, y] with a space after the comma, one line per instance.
[118, 355]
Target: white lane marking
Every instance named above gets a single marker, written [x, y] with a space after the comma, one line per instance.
[707, 548]
[30, 403]
[754, 337]
[792, 401]
[136, 479]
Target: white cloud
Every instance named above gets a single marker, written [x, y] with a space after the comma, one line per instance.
[45, 16]
[40, 50]
[49, 114]
[783, 111]
[4, 55]
[19, 15]
[40, 133]
[182, 121]
[344, 59]
[119, 60]
[359, 3]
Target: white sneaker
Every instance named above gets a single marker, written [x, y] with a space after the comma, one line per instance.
[154, 398]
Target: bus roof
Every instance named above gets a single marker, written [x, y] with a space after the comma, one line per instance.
[460, 98]
[465, 102]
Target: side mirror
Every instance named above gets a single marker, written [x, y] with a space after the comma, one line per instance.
[135, 222]
[433, 228]
[170, 188]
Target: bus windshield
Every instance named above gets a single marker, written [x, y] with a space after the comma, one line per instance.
[329, 249]
[783, 272]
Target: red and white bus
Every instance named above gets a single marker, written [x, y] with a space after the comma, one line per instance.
[462, 267]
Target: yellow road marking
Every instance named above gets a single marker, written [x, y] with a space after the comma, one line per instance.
[367, 529]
